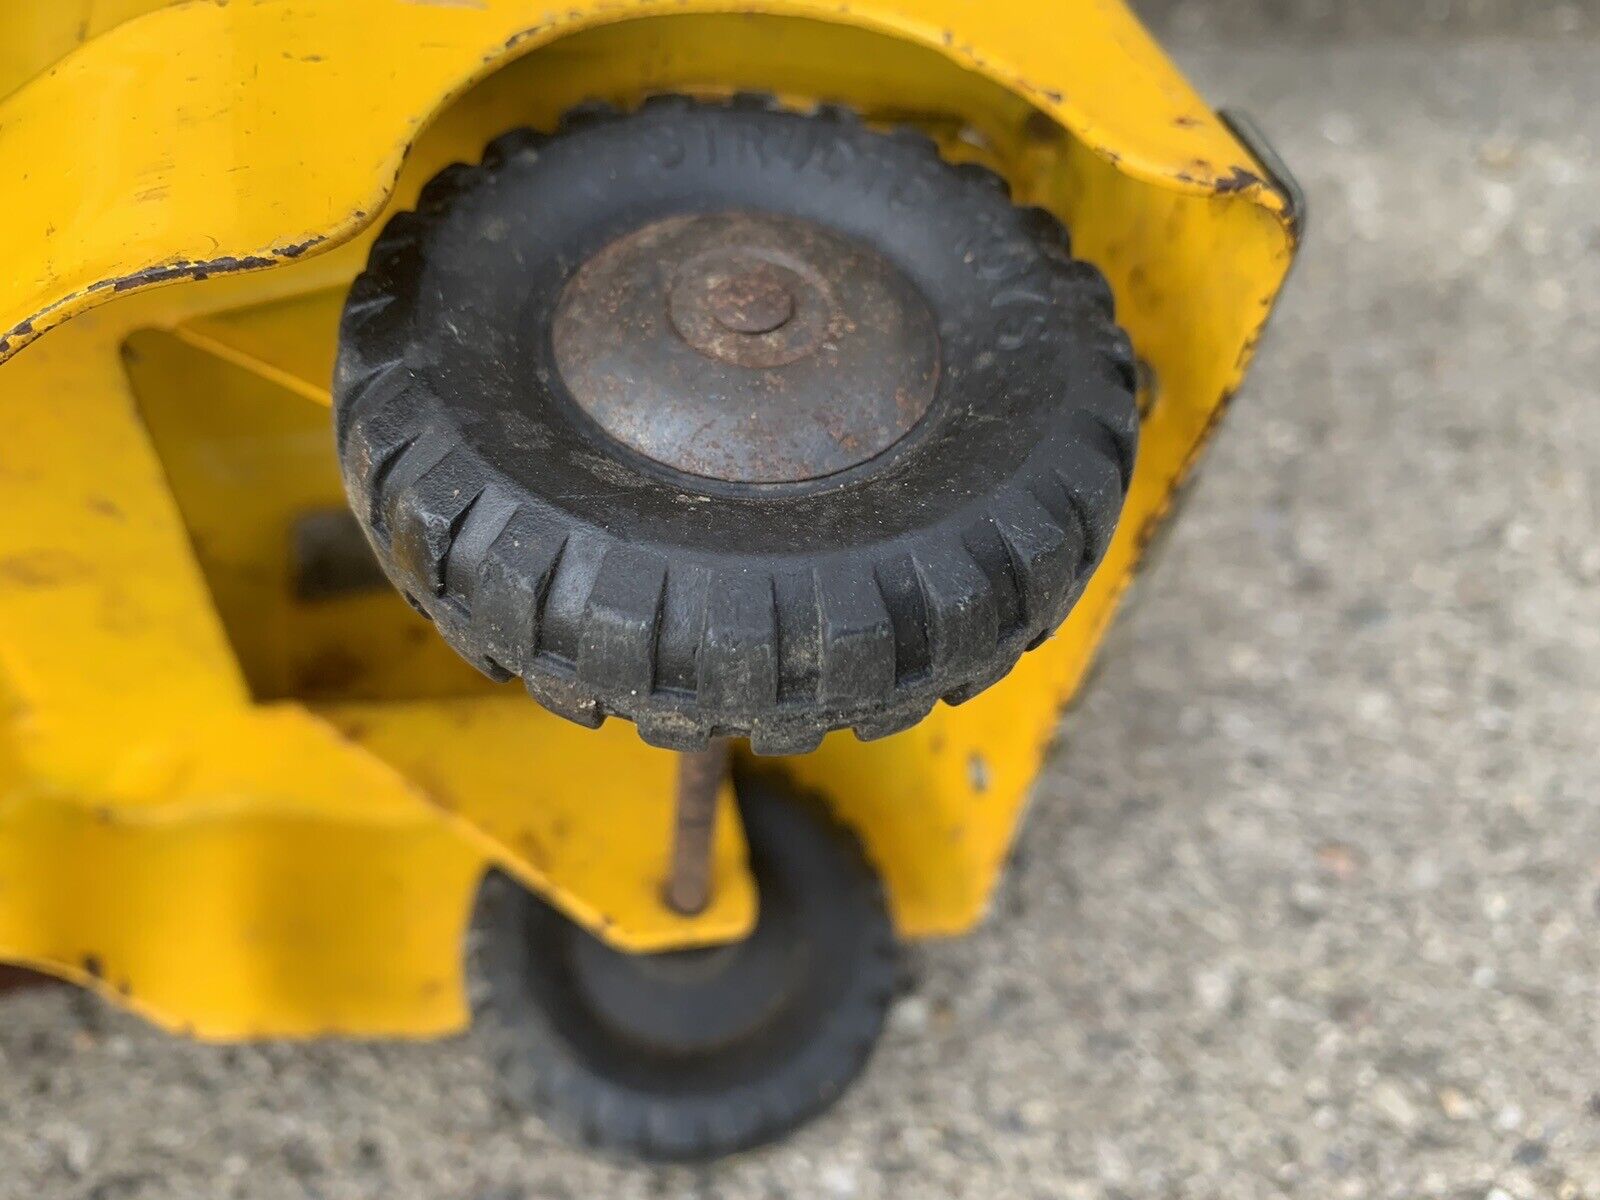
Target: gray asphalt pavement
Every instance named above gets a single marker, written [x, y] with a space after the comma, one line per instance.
[1309, 903]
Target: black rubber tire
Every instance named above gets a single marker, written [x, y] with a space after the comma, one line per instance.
[822, 913]
[774, 611]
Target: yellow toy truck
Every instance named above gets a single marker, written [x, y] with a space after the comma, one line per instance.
[797, 383]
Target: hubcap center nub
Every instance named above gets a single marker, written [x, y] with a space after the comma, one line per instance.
[744, 303]
[746, 347]
[754, 301]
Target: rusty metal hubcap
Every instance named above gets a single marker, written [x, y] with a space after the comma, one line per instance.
[746, 347]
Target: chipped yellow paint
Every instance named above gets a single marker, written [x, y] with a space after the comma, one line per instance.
[212, 110]
[244, 812]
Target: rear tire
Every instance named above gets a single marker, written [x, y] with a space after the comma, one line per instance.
[696, 1054]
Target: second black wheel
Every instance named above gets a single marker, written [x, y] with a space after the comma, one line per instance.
[697, 1053]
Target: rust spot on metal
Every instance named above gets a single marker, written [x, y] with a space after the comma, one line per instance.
[1146, 534]
[182, 269]
[296, 249]
[93, 967]
[1041, 127]
[1238, 180]
[354, 731]
[977, 773]
[532, 849]
[516, 39]
[435, 792]
[42, 569]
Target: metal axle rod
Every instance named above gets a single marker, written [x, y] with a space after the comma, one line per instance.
[700, 776]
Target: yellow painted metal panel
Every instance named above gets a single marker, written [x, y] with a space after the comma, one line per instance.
[36, 33]
[246, 453]
[210, 164]
[280, 925]
[287, 342]
[584, 816]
